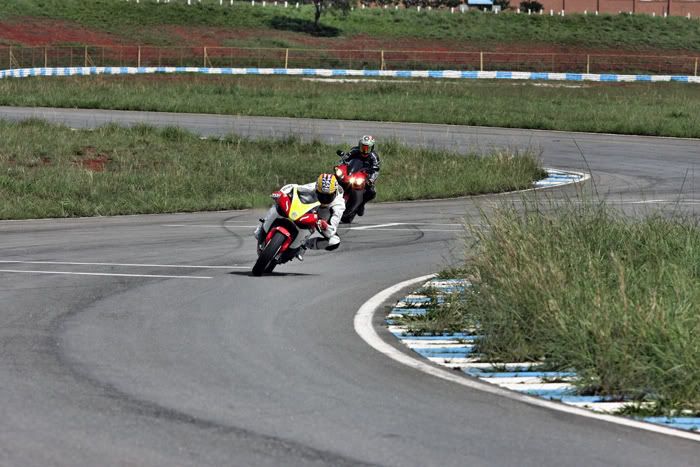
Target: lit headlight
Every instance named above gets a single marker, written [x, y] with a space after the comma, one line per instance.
[352, 179]
[358, 181]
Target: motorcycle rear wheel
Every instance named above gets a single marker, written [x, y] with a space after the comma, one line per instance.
[266, 260]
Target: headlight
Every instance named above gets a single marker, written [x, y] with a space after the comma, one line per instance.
[358, 181]
[338, 173]
[352, 180]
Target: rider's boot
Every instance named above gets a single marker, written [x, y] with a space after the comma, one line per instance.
[361, 210]
[259, 231]
[300, 253]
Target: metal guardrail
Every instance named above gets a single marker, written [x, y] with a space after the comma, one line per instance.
[12, 57]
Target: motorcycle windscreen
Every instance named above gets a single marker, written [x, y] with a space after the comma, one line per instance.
[301, 204]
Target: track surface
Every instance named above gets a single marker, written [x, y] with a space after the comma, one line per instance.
[215, 367]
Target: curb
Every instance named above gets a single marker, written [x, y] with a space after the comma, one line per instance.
[363, 324]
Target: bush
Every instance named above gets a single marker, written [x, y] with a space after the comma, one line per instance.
[532, 5]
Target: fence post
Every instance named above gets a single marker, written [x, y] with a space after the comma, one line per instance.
[588, 64]
[381, 67]
[696, 66]
[46, 58]
[481, 61]
[204, 63]
[138, 58]
[286, 58]
[85, 62]
[10, 58]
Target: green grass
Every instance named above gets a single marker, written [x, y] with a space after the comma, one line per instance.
[584, 287]
[671, 109]
[44, 171]
[605, 31]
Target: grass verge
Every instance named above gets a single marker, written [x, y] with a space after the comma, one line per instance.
[584, 287]
[671, 109]
[52, 171]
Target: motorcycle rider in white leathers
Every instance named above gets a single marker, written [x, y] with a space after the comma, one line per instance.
[330, 194]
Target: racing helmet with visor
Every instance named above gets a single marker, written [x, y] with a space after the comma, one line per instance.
[366, 145]
[326, 188]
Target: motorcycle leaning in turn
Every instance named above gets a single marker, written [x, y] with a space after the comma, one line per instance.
[297, 220]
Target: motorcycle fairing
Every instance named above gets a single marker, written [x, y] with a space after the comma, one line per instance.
[299, 207]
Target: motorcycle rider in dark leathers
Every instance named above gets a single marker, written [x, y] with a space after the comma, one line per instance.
[364, 151]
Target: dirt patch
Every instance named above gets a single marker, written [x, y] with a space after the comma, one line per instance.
[43, 32]
[91, 159]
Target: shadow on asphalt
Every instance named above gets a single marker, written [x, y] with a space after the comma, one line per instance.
[273, 274]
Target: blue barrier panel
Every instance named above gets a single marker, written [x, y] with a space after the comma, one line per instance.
[310, 71]
[252, 71]
[539, 76]
[504, 75]
[682, 79]
[574, 77]
[642, 78]
[611, 78]
[370, 72]
[469, 74]
[403, 74]
[279, 71]
[340, 72]
[436, 74]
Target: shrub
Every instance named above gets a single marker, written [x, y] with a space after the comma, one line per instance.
[532, 5]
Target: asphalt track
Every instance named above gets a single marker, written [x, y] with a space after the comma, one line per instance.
[143, 340]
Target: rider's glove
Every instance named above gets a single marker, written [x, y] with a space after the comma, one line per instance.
[322, 225]
[340, 153]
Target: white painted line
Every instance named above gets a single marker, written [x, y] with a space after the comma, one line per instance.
[212, 226]
[367, 227]
[648, 201]
[399, 229]
[19, 271]
[135, 265]
[365, 329]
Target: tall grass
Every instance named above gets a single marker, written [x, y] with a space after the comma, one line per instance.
[586, 288]
[136, 22]
[52, 171]
[671, 109]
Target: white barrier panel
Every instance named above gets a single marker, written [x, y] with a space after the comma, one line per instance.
[445, 74]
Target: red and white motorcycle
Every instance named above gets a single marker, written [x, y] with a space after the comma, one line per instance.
[297, 220]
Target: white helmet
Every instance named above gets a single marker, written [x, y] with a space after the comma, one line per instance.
[366, 145]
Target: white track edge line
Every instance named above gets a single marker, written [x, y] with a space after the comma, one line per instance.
[364, 328]
[136, 265]
[104, 274]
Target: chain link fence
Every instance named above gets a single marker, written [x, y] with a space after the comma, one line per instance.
[37, 57]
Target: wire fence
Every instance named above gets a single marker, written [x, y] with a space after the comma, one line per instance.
[235, 57]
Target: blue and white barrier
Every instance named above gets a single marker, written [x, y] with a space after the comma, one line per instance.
[456, 350]
[560, 177]
[324, 72]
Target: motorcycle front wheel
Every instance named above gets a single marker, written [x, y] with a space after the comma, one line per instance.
[266, 260]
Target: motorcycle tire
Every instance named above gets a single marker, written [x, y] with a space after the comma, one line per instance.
[266, 260]
[353, 203]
